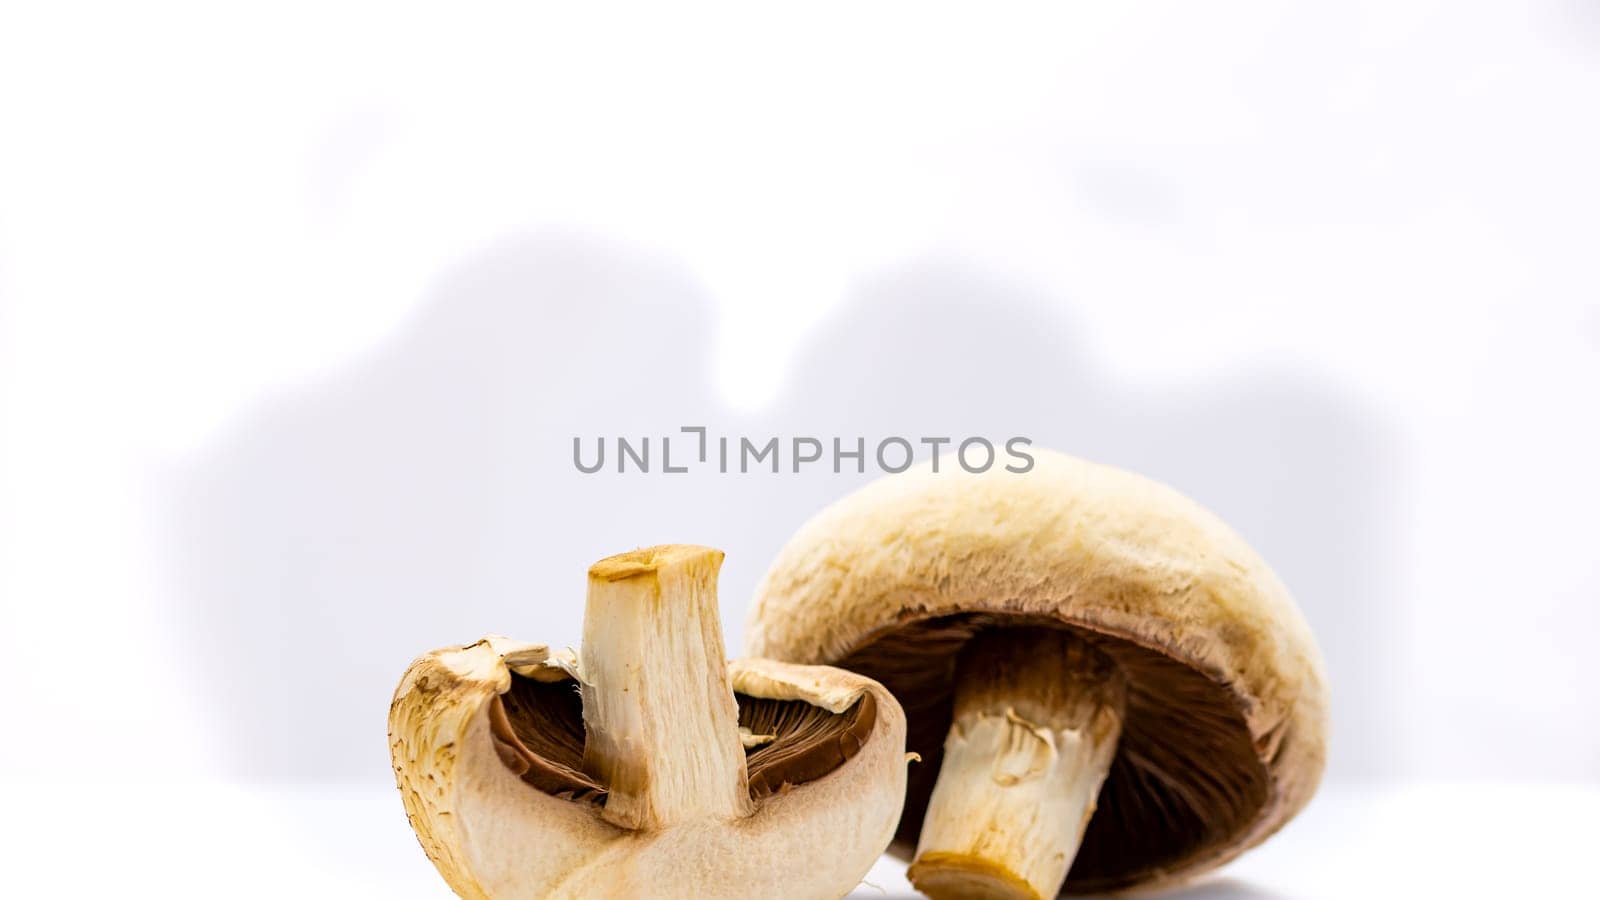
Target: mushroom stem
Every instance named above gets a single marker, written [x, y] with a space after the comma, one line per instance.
[1036, 721]
[661, 723]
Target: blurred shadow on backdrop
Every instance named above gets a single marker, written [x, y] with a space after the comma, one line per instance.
[425, 494]
[1303, 473]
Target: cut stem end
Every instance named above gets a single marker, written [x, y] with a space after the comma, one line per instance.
[1035, 727]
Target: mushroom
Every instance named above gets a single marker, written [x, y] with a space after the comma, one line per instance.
[1110, 688]
[648, 766]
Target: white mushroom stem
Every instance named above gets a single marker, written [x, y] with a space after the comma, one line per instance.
[1036, 721]
[658, 708]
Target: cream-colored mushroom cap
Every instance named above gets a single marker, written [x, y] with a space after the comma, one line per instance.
[1070, 629]
[650, 766]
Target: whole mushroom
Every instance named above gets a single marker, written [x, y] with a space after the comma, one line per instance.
[648, 766]
[1109, 688]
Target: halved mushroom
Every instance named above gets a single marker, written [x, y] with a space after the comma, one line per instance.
[1109, 687]
[652, 767]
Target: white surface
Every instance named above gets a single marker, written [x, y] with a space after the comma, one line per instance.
[213, 840]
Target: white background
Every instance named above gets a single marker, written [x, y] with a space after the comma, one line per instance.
[301, 308]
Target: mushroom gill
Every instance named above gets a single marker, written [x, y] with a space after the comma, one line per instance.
[1186, 776]
[537, 729]
[809, 741]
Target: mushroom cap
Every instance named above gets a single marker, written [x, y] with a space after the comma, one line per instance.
[1225, 731]
[491, 833]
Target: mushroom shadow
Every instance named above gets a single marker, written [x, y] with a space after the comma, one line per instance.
[1303, 471]
[425, 494]
[1225, 888]
[1211, 889]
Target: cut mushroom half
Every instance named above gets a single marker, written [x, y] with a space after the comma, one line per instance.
[1109, 687]
[650, 766]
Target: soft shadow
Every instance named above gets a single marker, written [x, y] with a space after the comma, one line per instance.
[1221, 889]
[1299, 468]
[1210, 889]
[426, 495]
